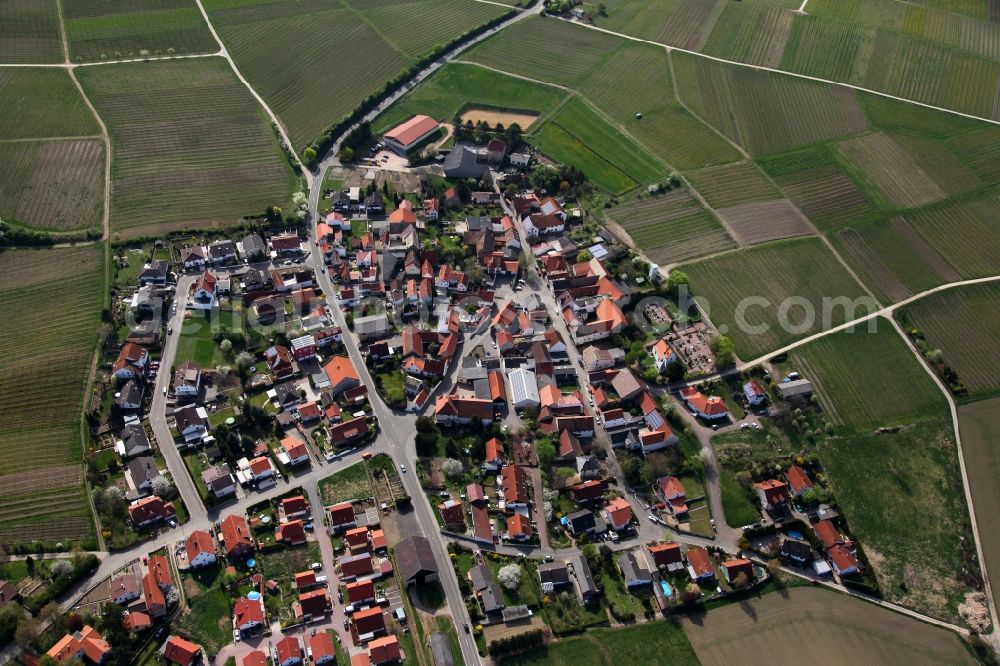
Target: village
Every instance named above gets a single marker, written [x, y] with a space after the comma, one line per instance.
[314, 438]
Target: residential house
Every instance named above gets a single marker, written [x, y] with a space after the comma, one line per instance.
[342, 374]
[369, 622]
[292, 533]
[798, 480]
[360, 592]
[124, 589]
[187, 380]
[286, 244]
[149, 510]
[192, 423]
[341, 517]
[829, 535]
[797, 552]
[295, 450]
[844, 562]
[200, 549]
[288, 652]
[86, 643]
[222, 252]
[194, 258]
[486, 588]
[253, 248]
[710, 408]
[454, 409]
[667, 555]
[733, 569]
[772, 493]
[523, 389]
[671, 492]
[204, 292]
[322, 647]
[279, 361]
[134, 441]
[595, 358]
[482, 528]
[663, 355]
[627, 385]
[519, 527]
[495, 457]
[248, 614]
[180, 651]
[635, 569]
[312, 604]
[700, 564]
[452, 514]
[131, 361]
[352, 566]
[581, 522]
[588, 467]
[159, 569]
[234, 533]
[154, 600]
[554, 576]
[154, 273]
[219, 480]
[588, 491]
[540, 224]
[754, 393]
[295, 508]
[129, 397]
[583, 579]
[139, 475]
[514, 487]
[619, 513]
[348, 432]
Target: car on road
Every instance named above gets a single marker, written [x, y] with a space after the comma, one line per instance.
[170, 330]
[402, 468]
[744, 426]
[466, 627]
[164, 390]
[315, 566]
[548, 558]
[236, 636]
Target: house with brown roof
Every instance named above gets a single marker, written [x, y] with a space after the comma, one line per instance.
[415, 561]
[482, 529]
[279, 361]
[180, 651]
[475, 493]
[828, 533]
[149, 510]
[360, 591]
[341, 517]
[700, 564]
[844, 562]
[588, 491]
[295, 507]
[352, 566]
[234, 533]
[200, 549]
[514, 484]
[304, 580]
[131, 361]
[772, 493]
[384, 650]
[124, 588]
[369, 622]
[255, 658]
[671, 492]
[86, 643]
[342, 434]
[292, 533]
[152, 595]
[452, 514]
[798, 480]
[315, 603]
[455, 409]
[733, 569]
[667, 555]
[288, 651]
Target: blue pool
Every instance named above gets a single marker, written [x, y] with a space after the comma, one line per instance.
[665, 586]
[251, 563]
[253, 596]
[795, 535]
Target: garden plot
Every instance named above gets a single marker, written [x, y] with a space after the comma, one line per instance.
[765, 221]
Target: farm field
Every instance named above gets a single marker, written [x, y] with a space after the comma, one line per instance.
[841, 629]
[732, 184]
[821, 188]
[191, 148]
[683, 23]
[671, 227]
[750, 33]
[299, 84]
[547, 50]
[893, 172]
[865, 379]
[29, 31]
[800, 269]
[51, 153]
[912, 476]
[42, 390]
[577, 135]
[53, 185]
[964, 323]
[117, 29]
[980, 149]
[964, 233]
[892, 259]
[765, 112]
[349, 484]
[763, 221]
[457, 86]
[979, 426]
[661, 642]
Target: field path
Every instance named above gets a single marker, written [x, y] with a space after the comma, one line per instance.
[224, 53]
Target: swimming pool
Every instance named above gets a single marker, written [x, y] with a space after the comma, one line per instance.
[665, 586]
[794, 535]
[253, 596]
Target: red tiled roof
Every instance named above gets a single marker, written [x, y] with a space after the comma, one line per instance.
[384, 649]
[180, 651]
[369, 620]
[828, 533]
[474, 492]
[519, 525]
[294, 505]
[322, 646]
[159, 568]
[619, 511]
[360, 591]
[699, 560]
[481, 523]
[340, 368]
[197, 543]
[843, 559]
[665, 553]
[410, 131]
[248, 611]
[798, 479]
[254, 658]
[494, 450]
[341, 514]
[293, 531]
[288, 648]
[294, 447]
[235, 534]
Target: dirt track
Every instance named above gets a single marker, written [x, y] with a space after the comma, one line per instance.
[492, 117]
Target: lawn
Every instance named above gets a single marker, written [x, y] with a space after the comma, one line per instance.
[47, 183]
[457, 86]
[348, 484]
[661, 642]
[770, 295]
[867, 378]
[42, 390]
[562, 146]
[841, 629]
[912, 477]
[736, 501]
[207, 619]
[116, 29]
[196, 344]
[190, 146]
[306, 93]
[963, 323]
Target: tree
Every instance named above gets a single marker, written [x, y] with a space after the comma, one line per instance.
[244, 360]
[546, 451]
[61, 568]
[163, 487]
[453, 469]
[676, 279]
[583, 256]
[724, 351]
[346, 154]
[691, 594]
[510, 576]
[27, 631]
[741, 581]
[675, 371]
[309, 154]
[656, 466]
[110, 502]
[602, 9]
[226, 346]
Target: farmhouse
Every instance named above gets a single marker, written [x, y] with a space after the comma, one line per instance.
[410, 134]
[710, 408]
[416, 561]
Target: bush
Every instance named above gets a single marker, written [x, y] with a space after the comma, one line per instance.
[516, 644]
[510, 576]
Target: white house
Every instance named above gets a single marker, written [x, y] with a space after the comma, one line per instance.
[540, 224]
[187, 380]
[663, 355]
[192, 423]
[248, 614]
[194, 258]
[200, 549]
[523, 389]
[755, 394]
[204, 292]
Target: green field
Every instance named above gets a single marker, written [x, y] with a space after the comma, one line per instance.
[42, 392]
[964, 323]
[840, 630]
[207, 618]
[732, 184]
[51, 153]
[29, 31]
[457, 86]
[577, 135]
[765, 112]
[979, 426]
[671, 227]
[348, 484]
[902, 496]
[865, 379]
[660, 642]
[117, 29]
[795, 274]
[547, 50]
[300, 84]
[754, 34]
[964, 233]
[894, 173]
[191, 148]
[739, 508]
